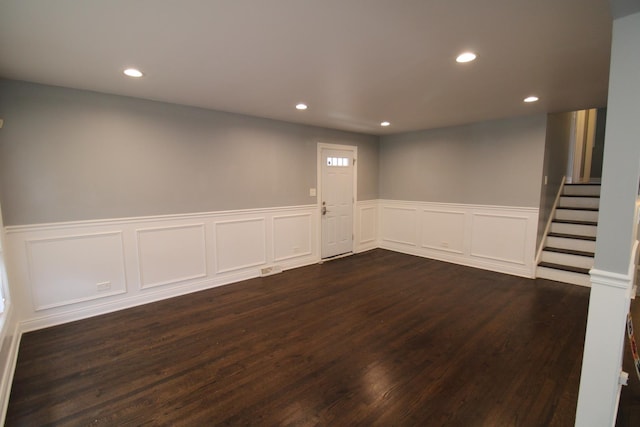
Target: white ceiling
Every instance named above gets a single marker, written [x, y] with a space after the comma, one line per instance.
[355, 62]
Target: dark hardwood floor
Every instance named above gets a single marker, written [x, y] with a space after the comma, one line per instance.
[378, 338]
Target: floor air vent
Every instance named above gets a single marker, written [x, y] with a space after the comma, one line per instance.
[270, 270]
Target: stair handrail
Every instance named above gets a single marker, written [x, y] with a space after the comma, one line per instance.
[543, 241]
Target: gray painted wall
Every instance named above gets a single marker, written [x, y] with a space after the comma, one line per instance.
[556, 158]
[490, 163]
[621, 165]
[77, 155]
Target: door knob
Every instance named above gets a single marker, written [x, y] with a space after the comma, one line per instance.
[324, 210]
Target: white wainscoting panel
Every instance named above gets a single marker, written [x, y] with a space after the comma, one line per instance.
[74, 268]
[240, 244]
[57, 269]
[443, 230]
[498, 238]
[69, 271]
[366, 225]
[291, 236]
[399, 225]
[171, 254]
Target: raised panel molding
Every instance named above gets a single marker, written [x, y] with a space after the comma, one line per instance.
[171, 254]
[75, 268]
[443, 230]
[198, 251]
[366, 226]
[240, 244]
[497, 238]
[292, 236]
[399, 225]
[57, 267]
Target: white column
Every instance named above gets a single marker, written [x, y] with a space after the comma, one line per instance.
[612, 275]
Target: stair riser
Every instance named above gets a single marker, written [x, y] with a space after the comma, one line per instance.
[581, 190]
[579, 202]
[573, 244]
[576, 215]
[567, 259]
[577, 229]
[563, 276]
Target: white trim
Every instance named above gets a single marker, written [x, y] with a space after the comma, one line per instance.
[9, 367]
[451, 212]
[370, 207]
[475, 250]
[253, 226]
[362, 209]
[618, 280]
[179, 279]
[494, 258]
[609, 279]
[262, 261]
[444, 206]
[415, 233]
[154, 295]
[543, 241]
[29, 257]
[296, 255]
[354, 150]
[11, 229]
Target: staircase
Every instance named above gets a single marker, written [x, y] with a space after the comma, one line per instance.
[571, 242]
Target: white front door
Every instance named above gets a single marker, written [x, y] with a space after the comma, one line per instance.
[336, 202]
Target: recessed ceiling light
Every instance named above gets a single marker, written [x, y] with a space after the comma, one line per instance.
[301, 106]
[132, 72]
[385, 124]
[466, 57]
[531, 99]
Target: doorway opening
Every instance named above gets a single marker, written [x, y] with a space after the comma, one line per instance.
[587, 146]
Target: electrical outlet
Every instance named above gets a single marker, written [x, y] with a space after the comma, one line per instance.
[444, 244]
[103, 286]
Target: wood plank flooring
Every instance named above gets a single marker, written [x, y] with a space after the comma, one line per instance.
[378, 338]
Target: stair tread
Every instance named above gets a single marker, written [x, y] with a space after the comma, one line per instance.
[576, 222]
[572, 236]
[564, 267]
[569, 251]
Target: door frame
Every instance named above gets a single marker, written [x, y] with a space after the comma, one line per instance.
[354, 155]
